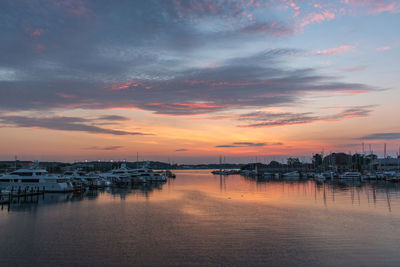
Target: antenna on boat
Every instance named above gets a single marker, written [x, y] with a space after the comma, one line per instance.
[15, 157]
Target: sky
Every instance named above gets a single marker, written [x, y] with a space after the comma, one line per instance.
[186, 81]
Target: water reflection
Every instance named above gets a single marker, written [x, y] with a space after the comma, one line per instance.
[343, 193]
[329, 194]
[31, 203]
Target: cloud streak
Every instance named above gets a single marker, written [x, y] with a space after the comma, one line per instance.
[382, 136]
[61, 124]
[336, 50]
[266, 119]
[107, 148]
[249, 144]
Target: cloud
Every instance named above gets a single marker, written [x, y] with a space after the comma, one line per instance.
[336, 50]
[382, 136]
[249, 144]
[266, 119]
[151, 56]
[375, 6]
[274, 28]
[354, 68]
[186, 92]
[61, 123]
[113, 118]
[181, 150]
[316, 17]
[107, 148]
[383, 48]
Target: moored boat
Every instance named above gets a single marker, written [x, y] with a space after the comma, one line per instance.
[30, 180]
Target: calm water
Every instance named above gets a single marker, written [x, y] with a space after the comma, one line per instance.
[201, 219]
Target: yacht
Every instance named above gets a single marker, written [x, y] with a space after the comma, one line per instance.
[120, 177]
[350, 175]
[34, 180]
[319, 177]
[291, 175]
[77, 178]
[147, 175]
[95, 181]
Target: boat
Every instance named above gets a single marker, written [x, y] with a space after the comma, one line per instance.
[350, 175]
[94, 181]
[34, 180]
[291, 175]
[319, 177]
[269, 175]
[77, 178]
[170, 174]
[152, 176]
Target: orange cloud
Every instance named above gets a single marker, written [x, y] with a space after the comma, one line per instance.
[128, 84]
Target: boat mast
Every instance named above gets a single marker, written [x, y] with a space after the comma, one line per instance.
[15, 167]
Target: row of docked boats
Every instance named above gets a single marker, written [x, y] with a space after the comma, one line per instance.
[39, 180]
[328, 175]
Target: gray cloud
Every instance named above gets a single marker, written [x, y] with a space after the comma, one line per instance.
[113, 118]
[181, 150]
[107, 148]
[194, 91]
[137, 54]
[266, 119]
[250, 144]
[60, 123]
[382, 136]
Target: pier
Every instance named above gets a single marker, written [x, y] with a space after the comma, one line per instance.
[8, 196]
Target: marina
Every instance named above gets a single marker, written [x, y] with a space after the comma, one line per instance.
[199, 133]
[210, 219]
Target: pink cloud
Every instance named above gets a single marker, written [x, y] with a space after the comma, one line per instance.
[376, 6]
[383, 48]
[355, 68]
[73, 7]
[129, 84]
[37, 32]
[40, 48]
[34, 32]
[336, 50]
[62, 95]
[314, 17]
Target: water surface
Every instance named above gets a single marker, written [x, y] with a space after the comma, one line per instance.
[202, 219]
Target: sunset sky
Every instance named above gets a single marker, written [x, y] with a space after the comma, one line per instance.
[187, 81]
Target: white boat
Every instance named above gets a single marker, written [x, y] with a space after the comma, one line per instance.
[269, 175]
[291, 175]
[77, 178]
[319, 177]
[148, 175]
[350, 175]
[31, 180]
[95, 181]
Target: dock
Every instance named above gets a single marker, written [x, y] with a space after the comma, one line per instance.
[7, 197]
